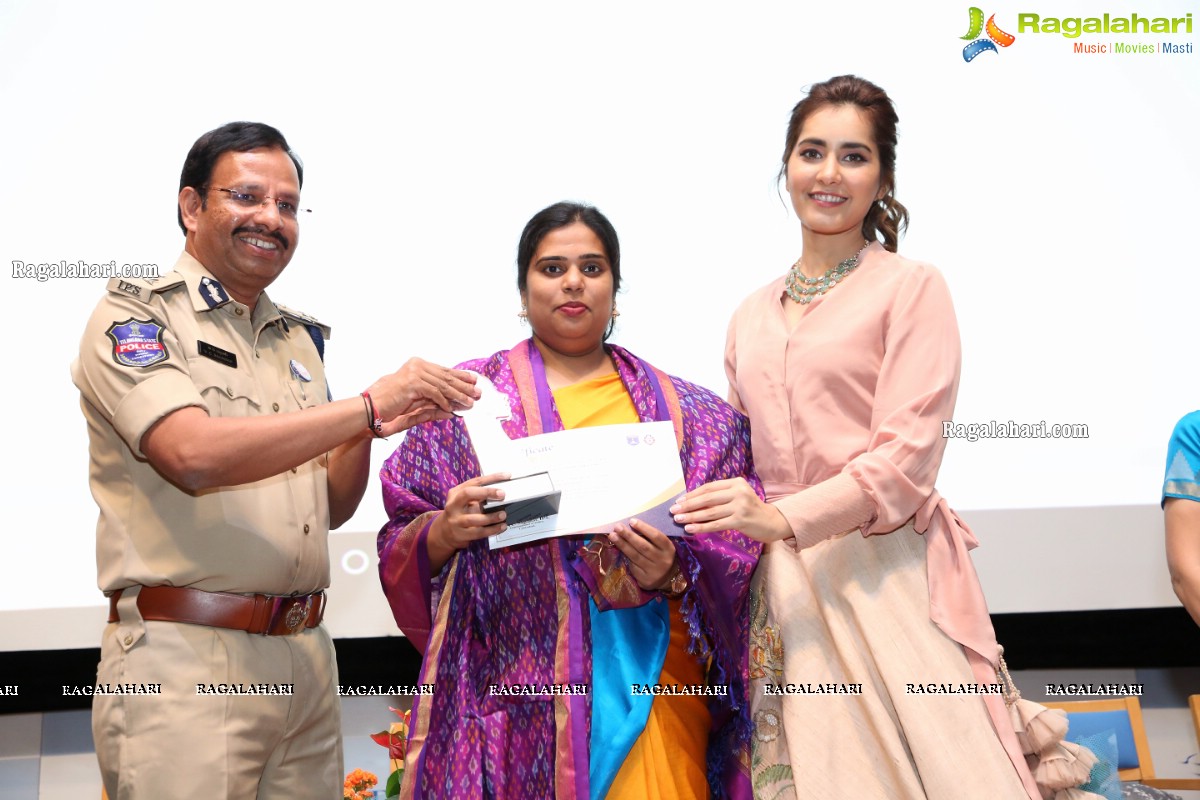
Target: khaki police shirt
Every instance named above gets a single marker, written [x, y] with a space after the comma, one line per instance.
[153, 347]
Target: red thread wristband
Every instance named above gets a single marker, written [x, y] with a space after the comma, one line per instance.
[373, 420]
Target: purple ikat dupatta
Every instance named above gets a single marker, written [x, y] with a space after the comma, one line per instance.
[518, 616]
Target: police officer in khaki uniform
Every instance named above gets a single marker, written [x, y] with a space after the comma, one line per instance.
[219, 464]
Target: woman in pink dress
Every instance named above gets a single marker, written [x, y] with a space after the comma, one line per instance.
[871, 646]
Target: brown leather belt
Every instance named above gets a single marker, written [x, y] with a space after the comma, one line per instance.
[254, 613]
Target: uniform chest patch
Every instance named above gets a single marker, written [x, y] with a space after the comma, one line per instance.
[137, 342]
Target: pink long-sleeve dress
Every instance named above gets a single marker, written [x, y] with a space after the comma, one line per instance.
[870, 638]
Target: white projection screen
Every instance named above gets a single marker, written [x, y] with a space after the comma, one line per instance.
[1054, 187]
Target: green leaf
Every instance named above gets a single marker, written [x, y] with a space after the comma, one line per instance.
[393, 784]
[772, 774]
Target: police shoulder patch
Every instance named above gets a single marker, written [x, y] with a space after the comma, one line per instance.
[142, 288]
[137, 342]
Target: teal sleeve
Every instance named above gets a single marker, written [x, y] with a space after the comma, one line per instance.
[1183, 460]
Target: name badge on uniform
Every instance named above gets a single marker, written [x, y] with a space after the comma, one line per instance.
[216, 354]
[300, 371]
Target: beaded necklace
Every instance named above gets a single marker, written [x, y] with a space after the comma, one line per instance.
[803, 289]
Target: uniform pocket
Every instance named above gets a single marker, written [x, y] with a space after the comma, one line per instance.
[306, 393]
[227, 391]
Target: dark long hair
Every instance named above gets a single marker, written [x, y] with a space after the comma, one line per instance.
[887, 217]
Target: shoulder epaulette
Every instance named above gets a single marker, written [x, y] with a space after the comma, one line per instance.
[144, 288]
[304, 319]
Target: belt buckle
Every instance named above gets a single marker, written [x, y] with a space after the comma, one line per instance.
[294, 613]
[297, 615]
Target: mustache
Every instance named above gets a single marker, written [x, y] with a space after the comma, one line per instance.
[263, 233]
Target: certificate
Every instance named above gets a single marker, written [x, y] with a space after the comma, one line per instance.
[584, 480]
[600, 476]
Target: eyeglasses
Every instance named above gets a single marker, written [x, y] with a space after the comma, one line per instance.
[251, 201]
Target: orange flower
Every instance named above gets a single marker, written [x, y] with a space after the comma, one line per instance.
[358, 784]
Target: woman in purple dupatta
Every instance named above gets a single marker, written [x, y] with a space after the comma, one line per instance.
[530, 615]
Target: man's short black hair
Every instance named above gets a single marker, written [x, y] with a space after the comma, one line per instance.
[238, 137]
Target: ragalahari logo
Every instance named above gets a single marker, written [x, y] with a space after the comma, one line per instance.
[995, 36]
